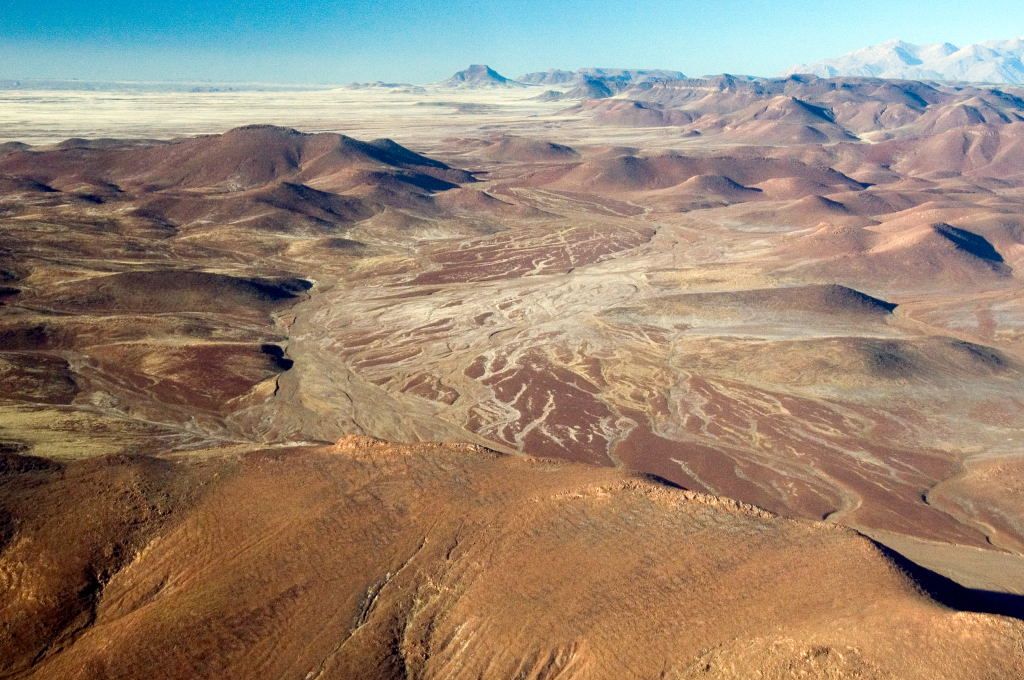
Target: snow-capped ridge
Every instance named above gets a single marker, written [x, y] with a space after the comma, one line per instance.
[993, 61]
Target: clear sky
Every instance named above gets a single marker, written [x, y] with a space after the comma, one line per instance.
[425, 40]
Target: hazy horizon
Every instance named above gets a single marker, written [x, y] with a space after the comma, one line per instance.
[303, 42]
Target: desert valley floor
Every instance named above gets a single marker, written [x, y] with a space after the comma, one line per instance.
[711, 377]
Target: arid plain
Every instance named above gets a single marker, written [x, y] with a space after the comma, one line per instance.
[708, 378]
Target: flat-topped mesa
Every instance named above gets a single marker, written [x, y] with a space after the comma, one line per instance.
[479, 76]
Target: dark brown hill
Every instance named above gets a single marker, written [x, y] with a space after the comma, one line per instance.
[240, 159]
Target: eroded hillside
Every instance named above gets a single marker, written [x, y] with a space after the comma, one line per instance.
[367, 559]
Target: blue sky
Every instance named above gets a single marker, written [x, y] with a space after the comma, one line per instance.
[425, 40]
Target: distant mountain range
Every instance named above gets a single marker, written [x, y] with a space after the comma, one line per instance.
[995, 61]
[583, 83]
[625, 76]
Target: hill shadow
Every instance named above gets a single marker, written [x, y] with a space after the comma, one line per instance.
[949, 593]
